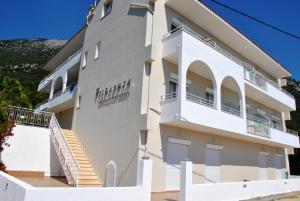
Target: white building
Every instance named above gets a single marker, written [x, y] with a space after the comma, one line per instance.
[172, 80]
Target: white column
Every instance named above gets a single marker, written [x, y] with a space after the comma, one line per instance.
[65, 81]
[52, 89]
[181, 78]
[144, 177]
[186, 181]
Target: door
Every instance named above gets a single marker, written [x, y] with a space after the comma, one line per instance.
[213, 165]
[263, 167]
[175, 154]
[278, 167]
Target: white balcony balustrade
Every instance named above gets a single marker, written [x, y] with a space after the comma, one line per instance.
[61, 70]
[257, 85]
[61, 99]
[200, 58]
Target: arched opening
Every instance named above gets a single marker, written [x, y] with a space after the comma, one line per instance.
[58, 85]
[231, 97]
[201, 84]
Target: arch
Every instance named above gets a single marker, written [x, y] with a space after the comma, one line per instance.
[231, 96]
[201, 84]
[111, 174]
[58, 85]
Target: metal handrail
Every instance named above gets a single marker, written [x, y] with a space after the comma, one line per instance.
[292, 132]
[67, 60]
[66, 155]
[200, 100]
[231, 110]
[26, 116]
[258, 126]
[214, 45]
[169, 96]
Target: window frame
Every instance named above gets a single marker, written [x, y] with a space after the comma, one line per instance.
[105, 10]
[97, 50]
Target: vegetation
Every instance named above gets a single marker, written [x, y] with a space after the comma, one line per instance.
[293, 86]
[20, 72]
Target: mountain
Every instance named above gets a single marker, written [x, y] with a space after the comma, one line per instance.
[20, 69]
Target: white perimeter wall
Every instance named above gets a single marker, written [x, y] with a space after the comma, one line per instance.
[12, 189]
[31, 150]
[231, 191]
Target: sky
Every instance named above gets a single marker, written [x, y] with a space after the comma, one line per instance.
[61, 19]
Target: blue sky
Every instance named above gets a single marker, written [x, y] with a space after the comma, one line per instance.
[60, 19]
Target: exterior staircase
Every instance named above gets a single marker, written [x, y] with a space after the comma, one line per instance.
[87, 175]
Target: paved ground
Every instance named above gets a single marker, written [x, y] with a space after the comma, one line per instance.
[166, 196]
[45, 181]
[281, 197]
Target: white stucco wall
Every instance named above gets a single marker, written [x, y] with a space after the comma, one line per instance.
[31, 149]
[12, 189]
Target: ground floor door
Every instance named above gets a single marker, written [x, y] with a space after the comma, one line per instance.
[263, 167]
[175, 154]
[278, 167]
[212, 165]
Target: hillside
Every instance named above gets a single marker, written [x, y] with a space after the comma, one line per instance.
[20, 69]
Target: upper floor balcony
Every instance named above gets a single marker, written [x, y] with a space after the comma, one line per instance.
[208, 90]
[60, 71]
[196, 46]
[60, 101]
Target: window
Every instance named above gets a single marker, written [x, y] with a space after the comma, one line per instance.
[107, 8]
[209, 98]
[174, 27]
[84, 59]
[78, 102]
[152, 6]
[275, 124]
[98, 50]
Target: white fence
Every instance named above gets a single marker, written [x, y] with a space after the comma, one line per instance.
[231, 191]
[12, 189]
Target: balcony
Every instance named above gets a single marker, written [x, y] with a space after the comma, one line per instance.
[199, 114]
[61, 100]
[60, 71]
[256, 85]
[267, 91]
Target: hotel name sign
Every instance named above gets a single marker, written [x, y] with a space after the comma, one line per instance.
[114, 94]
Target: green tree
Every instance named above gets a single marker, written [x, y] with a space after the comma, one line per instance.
[13, 93]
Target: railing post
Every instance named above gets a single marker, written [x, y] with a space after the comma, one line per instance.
[186, 174]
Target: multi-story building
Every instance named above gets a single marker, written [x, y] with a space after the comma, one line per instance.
[173, 81]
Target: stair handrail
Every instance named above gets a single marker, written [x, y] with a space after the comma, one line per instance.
[70, 160]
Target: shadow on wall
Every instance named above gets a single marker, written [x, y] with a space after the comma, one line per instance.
[55, 167]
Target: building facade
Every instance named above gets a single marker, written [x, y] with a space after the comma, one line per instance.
[173, 81]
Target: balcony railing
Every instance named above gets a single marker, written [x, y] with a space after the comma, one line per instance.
[258, 79]
[169, 96]
[292, 132]
[231, 110]
[26, 116]
[200, 100]
[69, 88]
[56, 69]
[258, 126]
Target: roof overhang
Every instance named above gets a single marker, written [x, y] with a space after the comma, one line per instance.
[205, 18]
[72, 46]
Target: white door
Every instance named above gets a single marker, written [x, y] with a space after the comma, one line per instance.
[175, 154]
[278, 167]
[213, 166]
[263, 167]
